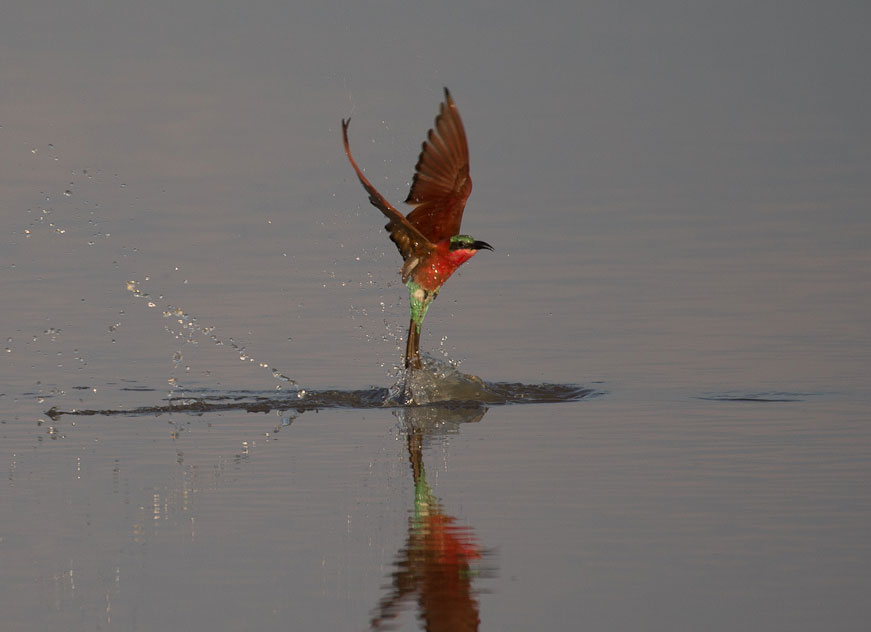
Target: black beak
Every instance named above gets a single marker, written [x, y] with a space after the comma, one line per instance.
[482, 245]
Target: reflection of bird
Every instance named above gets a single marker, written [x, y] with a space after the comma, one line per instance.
[438, 564]
[428, 238]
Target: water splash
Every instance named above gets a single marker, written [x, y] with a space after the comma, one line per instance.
[439, 382]
[435, 382]
[437, 388]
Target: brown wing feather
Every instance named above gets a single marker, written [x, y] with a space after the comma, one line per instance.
[441, 183]
[403, 233]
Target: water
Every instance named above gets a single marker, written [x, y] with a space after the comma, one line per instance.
[659, 410]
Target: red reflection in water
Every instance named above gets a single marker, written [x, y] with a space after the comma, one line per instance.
[435, 564]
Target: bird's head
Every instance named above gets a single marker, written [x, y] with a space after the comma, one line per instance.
[464, 242]
[458, 249]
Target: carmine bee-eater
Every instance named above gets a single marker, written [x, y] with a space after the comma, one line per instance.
[429, 238]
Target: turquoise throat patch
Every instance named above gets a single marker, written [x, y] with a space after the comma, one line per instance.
[420, 300]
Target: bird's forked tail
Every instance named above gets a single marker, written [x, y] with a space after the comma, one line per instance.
[412, 347]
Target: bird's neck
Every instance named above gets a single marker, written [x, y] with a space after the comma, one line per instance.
[440, 265]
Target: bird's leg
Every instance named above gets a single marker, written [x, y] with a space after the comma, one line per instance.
[412, 347]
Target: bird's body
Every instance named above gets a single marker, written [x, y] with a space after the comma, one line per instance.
[429, 238]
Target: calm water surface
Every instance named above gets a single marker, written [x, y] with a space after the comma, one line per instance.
[682, 235]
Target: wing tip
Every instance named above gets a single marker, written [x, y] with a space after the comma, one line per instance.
[345, 124]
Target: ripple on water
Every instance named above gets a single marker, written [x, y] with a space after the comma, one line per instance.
[436, 384]
[757, 396]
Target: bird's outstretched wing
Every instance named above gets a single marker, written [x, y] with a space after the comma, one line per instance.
[412, 244]
[441, 183]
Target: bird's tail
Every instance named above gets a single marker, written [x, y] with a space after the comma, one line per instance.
[412, 347]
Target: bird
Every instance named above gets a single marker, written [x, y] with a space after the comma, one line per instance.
[429, 237]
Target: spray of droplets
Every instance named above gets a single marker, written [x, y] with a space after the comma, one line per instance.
[186, 328]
